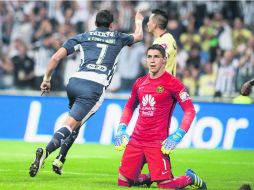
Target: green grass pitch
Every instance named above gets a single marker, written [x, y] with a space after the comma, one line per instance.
[93, 167]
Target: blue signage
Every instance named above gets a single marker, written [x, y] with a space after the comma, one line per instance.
[34, 119]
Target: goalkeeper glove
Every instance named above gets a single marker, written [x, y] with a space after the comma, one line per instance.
[171, 142]
[121, 138]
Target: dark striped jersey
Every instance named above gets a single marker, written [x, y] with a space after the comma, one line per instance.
[99, 50]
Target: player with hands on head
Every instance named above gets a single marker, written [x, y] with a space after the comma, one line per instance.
[246, 87]
[99, 49]
[156, 94]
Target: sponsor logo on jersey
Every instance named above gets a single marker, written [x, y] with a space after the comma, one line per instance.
[147, 109]
[160, 89]
[148, 99]
[184, 96]
[97, 67]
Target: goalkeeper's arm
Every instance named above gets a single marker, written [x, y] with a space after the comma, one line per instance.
[172, 141]
[122, 137]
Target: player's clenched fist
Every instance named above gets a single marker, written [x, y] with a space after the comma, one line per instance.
[172, 141]
[45, 87]
[121, 138]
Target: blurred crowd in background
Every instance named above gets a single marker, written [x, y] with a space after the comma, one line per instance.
[215, 42]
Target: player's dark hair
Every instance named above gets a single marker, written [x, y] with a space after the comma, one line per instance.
[159, 48]
[161, 18]
[104, 18]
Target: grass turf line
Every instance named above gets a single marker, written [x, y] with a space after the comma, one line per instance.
[92, 167]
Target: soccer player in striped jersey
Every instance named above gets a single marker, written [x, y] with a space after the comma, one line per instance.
[157, 25]
[99, 50]
[156, 94]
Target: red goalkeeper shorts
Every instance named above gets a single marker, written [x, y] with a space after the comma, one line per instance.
[134, 158]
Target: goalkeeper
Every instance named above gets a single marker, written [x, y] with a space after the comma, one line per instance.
[157, 94]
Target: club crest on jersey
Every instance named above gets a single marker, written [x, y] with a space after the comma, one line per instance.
[184, 96]
[160, 89]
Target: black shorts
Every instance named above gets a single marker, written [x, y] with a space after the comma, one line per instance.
[85, 97]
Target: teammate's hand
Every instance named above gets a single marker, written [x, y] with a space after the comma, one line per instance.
[45, 87]
[139, 17]
[122, 138]
[246, 88]
[172, 141]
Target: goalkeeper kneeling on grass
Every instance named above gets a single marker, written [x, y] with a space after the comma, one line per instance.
[156, 94]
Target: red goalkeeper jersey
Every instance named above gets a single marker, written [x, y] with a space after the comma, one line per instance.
[157, 99]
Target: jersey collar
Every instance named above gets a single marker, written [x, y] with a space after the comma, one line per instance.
[102, 29]
[163, 33]
[157, 77]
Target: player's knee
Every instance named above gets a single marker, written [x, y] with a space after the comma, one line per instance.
[123, 181]
[74, 135]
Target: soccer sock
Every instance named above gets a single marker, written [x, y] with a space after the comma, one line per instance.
[61, 158]
[178, 182]
[123, 183]
[143, 179]
[57, 139]
[67, 145]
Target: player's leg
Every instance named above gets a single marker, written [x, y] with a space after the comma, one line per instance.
[131, 164]
[123, 181]
[65, 146]
[59, 136]
[176, 183]
[143, 180]
[61, 157]
[158, 164]
[81, 92]
[160, 170]
[190, 178]
[83, 105]
[197, 182]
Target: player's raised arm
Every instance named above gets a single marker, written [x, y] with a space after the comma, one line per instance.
[138, 33]
[54, 60]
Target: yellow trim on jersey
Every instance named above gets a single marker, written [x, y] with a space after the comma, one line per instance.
[169, 43]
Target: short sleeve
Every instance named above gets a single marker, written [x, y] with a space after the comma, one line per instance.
[126, 39]
[70, 44]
